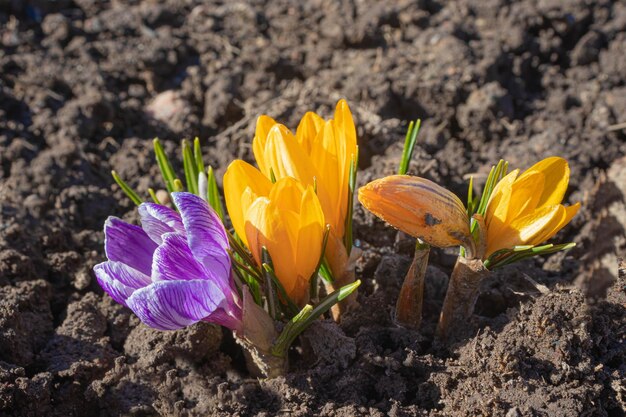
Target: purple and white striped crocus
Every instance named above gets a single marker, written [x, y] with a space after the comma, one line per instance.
[174, 270]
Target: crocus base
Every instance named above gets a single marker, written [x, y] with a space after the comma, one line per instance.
[348, 276]
[461, 295]
[261, 363]
[348, 303]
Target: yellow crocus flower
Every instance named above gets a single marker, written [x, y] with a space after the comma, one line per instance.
[319, 154]
[527, 209]
[285, 217]
[243, 184]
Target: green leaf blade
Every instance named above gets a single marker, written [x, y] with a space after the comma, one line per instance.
[127, 189]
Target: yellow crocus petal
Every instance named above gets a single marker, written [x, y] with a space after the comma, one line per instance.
[285, 157]
[267, 227]
[498, 204]
[345, 125]
[243, 183]
[524, 230]
[310, 234]
[571, 211]
[263, 125]
[537, 231]
[287, 194]
[345, 136]
[286, 263]
[556, 172]
[307, 130]
[497, 207]
[325, 158]
[304, 222]
[257, 226]
[566, 216]
[420, 208]
[525, 194]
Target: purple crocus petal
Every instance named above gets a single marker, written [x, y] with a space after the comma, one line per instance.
[157, 220]
[119, 280]
[173, 261]
[128, 244]
[229, 319]
[170, 305]
[205, 233]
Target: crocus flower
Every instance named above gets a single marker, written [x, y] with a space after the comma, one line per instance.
[174, 270]
[320, 154]
[420, 208]
[286, 218]
[526, 209]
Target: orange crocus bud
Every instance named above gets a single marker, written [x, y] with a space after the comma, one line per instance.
[420, 208]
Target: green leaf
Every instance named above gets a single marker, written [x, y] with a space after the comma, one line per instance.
[190, 168]
[213, 193]
[178, 185]
[253, 285]
[289, 333]
[325, 272]
[508, 256]
[164, 165]
[496, 173]
[126, 188]
[153, 195]
[239, 263]
[314, 281]
[348, 239]
[470, 198]
[277, 291]
[409, 146]
[270, 289]
[521, 248]
[197, 154]
[241, 251]
[307, 316]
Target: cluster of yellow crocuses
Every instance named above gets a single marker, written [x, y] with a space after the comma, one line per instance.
[301, 186]
[301, 191]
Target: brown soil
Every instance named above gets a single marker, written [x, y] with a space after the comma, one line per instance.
[85, 85]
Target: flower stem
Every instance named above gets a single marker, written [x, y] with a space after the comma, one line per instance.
[347, 304]
[342, 266]
[461, 295]
[411, 297]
